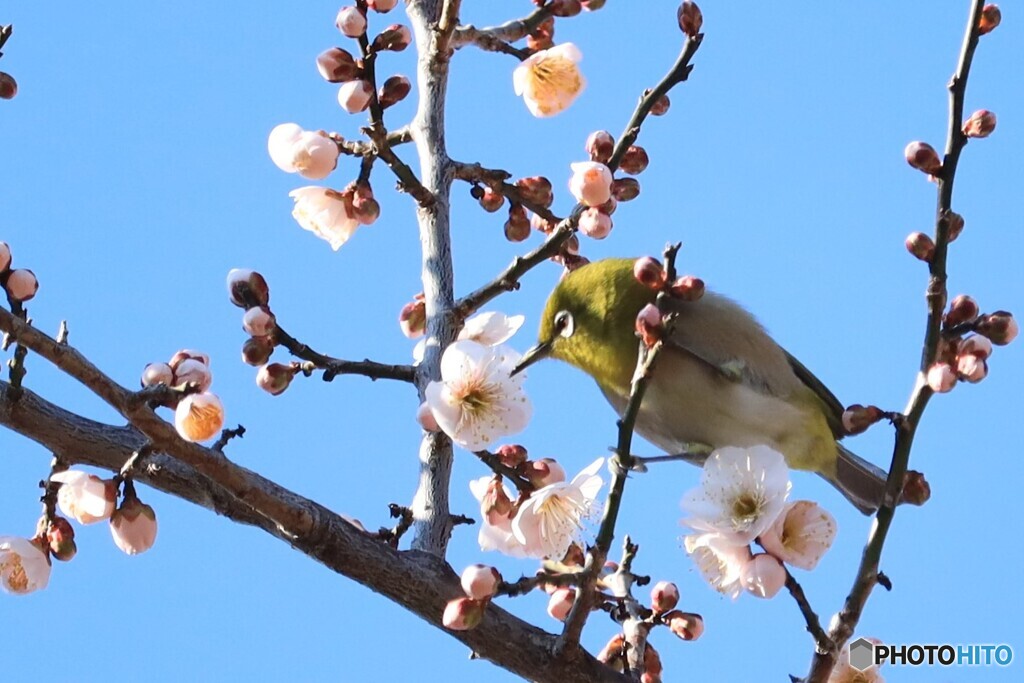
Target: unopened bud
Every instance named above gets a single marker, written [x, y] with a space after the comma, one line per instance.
[600, 145]
[648, 325]
[923, 157]
[975, 345]
[592, 5]
[954, 225]
[574, 556]
[413, 318]
[857, 418]
[565, 8]
[560, 603]
[495, 505]
[512, 455]
[351, 22]
[354, 96]
[425, 416]
[941, 378]
[661, 106]
[463, 614]
[337, 65]
[625, 189]
[763, 576]
[541, 224]
[258, 321]
[962, 309]
[21, 284]
[395, 38]
[480, 581]
[542, 37]
[613, 651]
[491, 201]
[1000, 328]
[537, 190]
[916, 489]
[274, 378]
[8, 86]
[686, 625]
[60, 537]
[635, 160]
[664, 596]
[990, 18]
[517, 227]
[595, 224]
[543, 472]
[690, 18]
[382, 6]
[980, 124]
[157, 373]
[133, 526]
[366, 211]
[648, 272]
[971, 368]
[256, 351]
[920, 246]
[5, 257]
[247, 288]
[687, 288]
[394, 90]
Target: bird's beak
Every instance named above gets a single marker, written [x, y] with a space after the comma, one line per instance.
[539, 352]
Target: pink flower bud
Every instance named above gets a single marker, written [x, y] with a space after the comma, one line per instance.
[574, 556]
[247, 288]
[916, 489]
[274, 378]
[954, 225]
[687, 288]
[354, 96]
[962, 309]
[980, 124]
[463, 614]
[763, 576]
[190, 371]
[595, 224]
[648, 272]
[490, 200]
[592, 5]
[495, 504]
[542, 37]
[8, 86]
[634, 161]
[351, 22]
[1000, 328]
[625, 189]
[512, 455]
[5, 257]
[536, 190]
[21, 285]
[413, 318]
[975, 345]
[60, 537]
[187, 354]
[971, 368]
[256, 351]
[609, 206]
[600, 145]
[544, 472]
[686, 625]
[395, 38]
[560, 603]
[258, 321]
[382, 6]
[85, 497]
[923, 157]
[394, 90]
[565, 8]
[990, 18]
[690, 18]
[613, 650]
[591, 183]
[920, 246]
[661, 106]
[337, 65]
[157, 373]
[857, 418]
[425, 416]
[517, 227]
[133, 526]
[652, 665]
[480, 582]
[199, 417]
[541, 224]
[941, 378]
[664, 596]
[648, 325]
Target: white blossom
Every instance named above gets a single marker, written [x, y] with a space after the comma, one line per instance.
[552, 517]
[549, 80]
[23, 566]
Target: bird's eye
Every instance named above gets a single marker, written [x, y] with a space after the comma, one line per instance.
[564, 324]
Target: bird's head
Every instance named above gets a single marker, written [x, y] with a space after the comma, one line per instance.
[589, 319]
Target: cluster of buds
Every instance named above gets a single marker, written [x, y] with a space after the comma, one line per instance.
[649, 272]
[480, 583]
[198, 413]
[20, 285]
[337, 65]
[965, 358]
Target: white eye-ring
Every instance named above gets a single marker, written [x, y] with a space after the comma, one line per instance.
[564, 324]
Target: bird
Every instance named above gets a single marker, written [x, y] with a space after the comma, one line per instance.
[719, 380]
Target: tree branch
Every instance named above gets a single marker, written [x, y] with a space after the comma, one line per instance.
[333, 367]
[509, 32]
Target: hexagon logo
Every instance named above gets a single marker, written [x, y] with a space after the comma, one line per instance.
[862, 654]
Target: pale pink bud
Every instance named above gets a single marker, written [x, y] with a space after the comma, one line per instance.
[21, 284]
[187, 354]
[257, 350]
[512, 455]
[980, 124]
[664, 596]
[565, 8]
[961, 309]
[595, 224]
[560, 603]
[857, 418]
[648, 272]
[613, 650]
[517, 227]
[463, 614]
[274, 378]
[337, 65]
[199, 417]
[60, 538]
[920, 246]
[247, 288]
[351, 22]
[280, 145]
[990, 18]
[480, 582]
[541, 224]
[954, 225]
[258, 321]
[635, 160]
[157, 373]
[916, 489]
[941, 378]
[8, 86]
[536, 190]
[490, 200]
[591, 183]
[191, 371]
[5, 257]
[763, 576]
[85, 497]
[690, 18]
[354, 96]
[625, 189]
[687, 288]
[495, 504]
[24, 565]
[592, 5]
[975, 345]
[544, 472]
[394, 90]
[133, 526]
[314, 155]
[413, 318]
[1000, 328]
[923, 157]
[425, 416]
[661, 106]
[382, 6]
[971, 368]
[600, 145]
[574, 556]
[395, 38]
[648, 325]
[686, 625]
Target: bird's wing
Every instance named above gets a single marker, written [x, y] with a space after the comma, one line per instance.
[834, 409]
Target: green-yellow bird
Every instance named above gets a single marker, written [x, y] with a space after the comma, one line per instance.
[720, 380]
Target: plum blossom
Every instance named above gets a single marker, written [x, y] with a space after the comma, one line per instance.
[590, 183]
[489, 328]
[478, 400]
[311, 154]
[720, 563]
[801, 535]
[763, 576]
[133, 526]
[496, 509]
[24, 567]
[84, 497]
[552, 517]
[549, 80]
[199, 417]
[326, 213]
[742, 493]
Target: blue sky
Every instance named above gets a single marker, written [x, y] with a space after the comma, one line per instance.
[135, 176]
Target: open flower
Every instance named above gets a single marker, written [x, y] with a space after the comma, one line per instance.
[199, 417]
[720, 562]
[489, 328]
[552, 517]
[326, 213]
[801, 535]
[763, 576]
[85, 497]
[24, 567]
[549, 80]
[742, 493]
[477, 400]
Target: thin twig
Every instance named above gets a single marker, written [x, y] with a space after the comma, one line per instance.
[509, 32]
[226, 435]
[522, 484]
[527, 583]
[333, 367]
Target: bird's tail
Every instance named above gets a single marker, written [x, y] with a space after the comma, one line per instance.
[861, 482]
